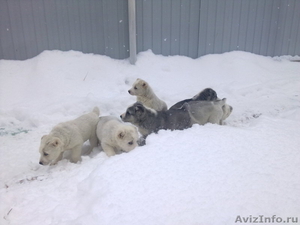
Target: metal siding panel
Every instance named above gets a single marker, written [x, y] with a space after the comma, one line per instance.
[157, 27]
[6, 40]
[166, 27]
[219, 27]
[265, 34]
[203, 27]
[28, 29]
[258, 28]
[297, 43]
[175, 31]
[54, 41]
[139, 26]
[63, 27]
[17, 29]
[228, 21]
[286, 26]
[294, 47]
[184, 27]
[83, 24]
[123, 27]
[242, 33]
[112, 28]
[235, 25]
[98, 28]
[194, 28]
[147, 25]
[211, 26]
[40, 25]
[251, 25]
[273, 29]
[280, 29]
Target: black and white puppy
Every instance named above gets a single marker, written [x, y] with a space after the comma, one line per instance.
[207, 94]
[150, 121]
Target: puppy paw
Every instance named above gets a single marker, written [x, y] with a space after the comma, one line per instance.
[141, 141]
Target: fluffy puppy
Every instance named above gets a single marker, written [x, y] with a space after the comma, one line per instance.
[69, 136]
[146, 96]
[207, 94]
[148, 120]
[116, 137]
[202, 112]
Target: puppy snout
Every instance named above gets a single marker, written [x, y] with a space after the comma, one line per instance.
[129, 91]
[41, 163]
[121, 116]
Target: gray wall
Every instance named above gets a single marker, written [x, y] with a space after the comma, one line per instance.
[195, 28]
[27, 27]
[169, 27]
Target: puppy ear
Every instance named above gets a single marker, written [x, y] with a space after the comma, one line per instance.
[43, 137]
[139, 109]
[55, 142]
[144, 84]
[121, 134]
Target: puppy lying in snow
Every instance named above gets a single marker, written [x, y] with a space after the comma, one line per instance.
[146, 96]
[194, 112]
[207, 94]
[148, 120]
[69, 136]
[202, 112]
[115, 136]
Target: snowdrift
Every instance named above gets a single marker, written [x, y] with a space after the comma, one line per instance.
[207, 174]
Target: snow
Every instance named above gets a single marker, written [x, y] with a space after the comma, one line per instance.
[207, 174]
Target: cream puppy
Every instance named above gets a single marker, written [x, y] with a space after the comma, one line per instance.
[146, 96]
[116, 137]
[202, 112]
[69, 136]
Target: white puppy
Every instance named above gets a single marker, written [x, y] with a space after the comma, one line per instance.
[146, 96]
[202, 112]
[115, 136]
[69, 136]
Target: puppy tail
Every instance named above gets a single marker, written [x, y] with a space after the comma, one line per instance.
[96, 110]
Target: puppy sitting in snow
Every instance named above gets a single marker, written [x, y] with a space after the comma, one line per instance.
[146, 96]
[116, 137]
[69, 136]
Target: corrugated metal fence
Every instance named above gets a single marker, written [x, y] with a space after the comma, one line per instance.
[169, 27]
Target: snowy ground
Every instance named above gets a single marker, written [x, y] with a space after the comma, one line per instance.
[204, 175]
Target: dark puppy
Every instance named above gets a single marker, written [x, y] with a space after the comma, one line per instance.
[148, 120]
[207, 94]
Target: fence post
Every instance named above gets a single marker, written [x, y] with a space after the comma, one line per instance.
[132, 31]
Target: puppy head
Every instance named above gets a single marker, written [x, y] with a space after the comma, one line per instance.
[50, 150]
[227, 109]
[127, 137]
[134, 113]
[139, 88]
[207, 94]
